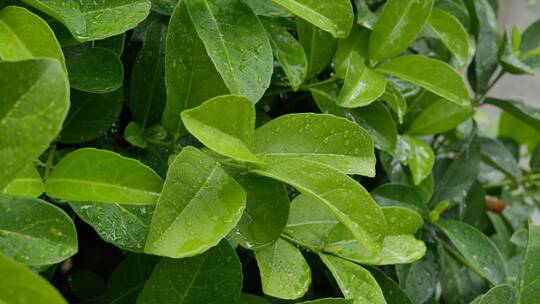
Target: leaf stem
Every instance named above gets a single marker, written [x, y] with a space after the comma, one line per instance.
[302, 88]
[527, 178]
[480, 99]
[458, 256]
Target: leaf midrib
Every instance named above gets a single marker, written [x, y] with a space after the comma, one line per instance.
[101, 184]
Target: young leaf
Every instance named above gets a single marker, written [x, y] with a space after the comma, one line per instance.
[319, 46]
[321, 138]
[362, 85]
[123, 225]
[196, 210]
[529, 283]
[452, 34]
[354, 281]
[288, 51]
[421, 159]
[397, 27]
[190, 75]
[439, 116]
[23, 284]
[433, 75]
[520, 110]
[85, 175]
[495, 154]
[224, 124]
[267, 210]
[477, 249]
[24, 35]
[147, 84]
[335, 17]
[347, 199]
[94, 20]
[237, 44]
[36, 103]
[285, 273]
[90, 115]
[214, 276]
[27, 183]
[34, 232]
[96, 70]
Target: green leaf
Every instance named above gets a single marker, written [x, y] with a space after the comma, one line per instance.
[477, 249]
[399, 195]
[321, 138]
[190, 75]
[237, 44]
[330, 301]
[402, 220]
[196, 210]
[500, 294]
[96, 70]
[395, 100]
[24, 285]
[335, 17]
[420, 279]
[421, 159]
[94, 20]
[530, 46]
[356, 42]
[529, 283]
[224, 124]
[502, 235]
[509, 60]
[354, 281]
[433, 75]
[125, 226]
[267, 8]
[34, 232]
[362, 85]
[439, 116]
[285, 273]
[459, 283]
[452, 34]
[24, 35]
[266, 213]
[90, 115]
[337, 192]
[520, 110]
[393, 294]
[85, 175]
[36, 103]
[134, 135]
[374, 118]
[319, 46]
[212, 277]
[496, 155]
[246, 298]
[27, 183]
[147, 84]
[365, 17]
[288, 52]
[398, 25]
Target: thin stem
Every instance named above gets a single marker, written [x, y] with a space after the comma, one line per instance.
[50, 160]
[480, 99]
[320, 83]
[507, 182]
[458, 256]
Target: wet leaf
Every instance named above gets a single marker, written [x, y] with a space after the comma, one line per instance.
[96, 70]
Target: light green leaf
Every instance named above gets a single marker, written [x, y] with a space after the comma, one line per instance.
[319, 46]
[439, 116]
[321, 138]
[480, 252]
[452, 34]
[123, 225]
[398, 25]
[362, 85]
[147, 84]
[224, 124]
[402, 220]
[190, 75]
[90, 115]
[288, 52]
[27, 183]
[354, 281]
[365, 17]
[356, 42]
[85, 175]
[285, 273]
[212, 277]
[266, 213]
[421, 159]
[34, 232]
[500, 294]
[24, 35]
[346, 198]
[433, 75]
[498, 156]
[94, 20]
[196, 210]
[529, 290]
[36, 103]
[335, 17]
[237, 44]
[96, 70]
[24, 285]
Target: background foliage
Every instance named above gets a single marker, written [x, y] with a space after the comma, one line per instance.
[248, 151]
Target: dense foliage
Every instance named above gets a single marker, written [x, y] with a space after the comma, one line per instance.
[257, 151]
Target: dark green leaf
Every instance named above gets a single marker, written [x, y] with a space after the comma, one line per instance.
[96, 70]
[393, 294]
[520, 110]
[495, 154]
[319, 46]
[529, 284]
[500, 294]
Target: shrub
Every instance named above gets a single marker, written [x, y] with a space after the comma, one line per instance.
[248, 151]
